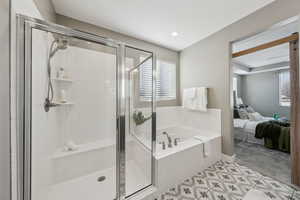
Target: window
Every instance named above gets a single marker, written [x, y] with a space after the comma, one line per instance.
[165, 82]
[284, 88]
[235, 85]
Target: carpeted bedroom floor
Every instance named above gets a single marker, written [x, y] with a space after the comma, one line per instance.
[269, 162]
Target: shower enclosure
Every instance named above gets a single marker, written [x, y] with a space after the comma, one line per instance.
[86, 113]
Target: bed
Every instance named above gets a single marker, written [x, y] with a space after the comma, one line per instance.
[244, 129]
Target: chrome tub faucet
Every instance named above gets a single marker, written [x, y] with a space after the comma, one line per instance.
[169, 139]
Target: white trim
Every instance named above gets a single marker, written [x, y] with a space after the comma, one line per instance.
[228, 158]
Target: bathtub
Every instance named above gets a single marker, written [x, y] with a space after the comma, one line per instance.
[185, 137]
[187, 158]
[176, 163]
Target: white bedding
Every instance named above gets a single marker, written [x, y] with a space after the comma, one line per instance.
[247, 125]
[239, 123]
[245, 130]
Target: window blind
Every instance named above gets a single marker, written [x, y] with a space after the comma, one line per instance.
[165, 82]
[284, 88]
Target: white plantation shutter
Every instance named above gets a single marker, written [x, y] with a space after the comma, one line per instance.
[146, 81]
[284, 88]
[165, 82]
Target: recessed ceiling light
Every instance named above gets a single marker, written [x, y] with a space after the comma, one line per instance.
[174, 34]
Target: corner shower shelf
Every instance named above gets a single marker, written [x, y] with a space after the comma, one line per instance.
[64, 104]
[66, 80]
[84, 148]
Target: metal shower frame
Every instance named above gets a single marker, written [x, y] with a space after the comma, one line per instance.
[25, 25]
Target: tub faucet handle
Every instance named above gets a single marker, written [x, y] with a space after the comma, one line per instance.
[163, 145]
[169, 139]
[176, 141]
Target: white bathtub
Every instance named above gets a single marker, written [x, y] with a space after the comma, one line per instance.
[175, 164]
[186, 139]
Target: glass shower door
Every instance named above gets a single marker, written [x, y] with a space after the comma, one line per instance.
[141, 120]
[68, 108]
[87, 115]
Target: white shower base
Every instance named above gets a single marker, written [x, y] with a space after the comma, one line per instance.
[88, 188]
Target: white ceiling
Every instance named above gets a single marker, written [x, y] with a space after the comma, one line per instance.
[280, 30]
[267, 57]
[155, 20]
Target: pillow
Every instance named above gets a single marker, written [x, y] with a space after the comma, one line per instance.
[243, 106]
[255, 116]
[243, 113]
[250, 109]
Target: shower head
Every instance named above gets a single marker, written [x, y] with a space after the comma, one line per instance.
[61, 44]
[56, 45]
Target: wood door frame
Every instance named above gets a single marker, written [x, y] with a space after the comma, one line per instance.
[293, 41]
[295, 111]
[268, 45]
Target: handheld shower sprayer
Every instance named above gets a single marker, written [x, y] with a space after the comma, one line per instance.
[56, 45]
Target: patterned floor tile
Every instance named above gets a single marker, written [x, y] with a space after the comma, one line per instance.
[274, 189]
[202, 194]
[245, 188]
[186, 191]
[228, 181]
[173, 191]
[168, 197]
[240, 179]
[201, 174]
[249, 172]
[200, 182]
[276, 185]
[216, 185]
[226, 177]
[236, 197]
[232, 169]
[189, 182]
[234, 189]
[221, 168]
[276, 195]
[220, 195]
[210, 174]
[220, 163]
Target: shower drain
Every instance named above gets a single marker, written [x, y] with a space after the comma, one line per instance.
[101, 178]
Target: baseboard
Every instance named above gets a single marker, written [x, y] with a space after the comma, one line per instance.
[228, 158]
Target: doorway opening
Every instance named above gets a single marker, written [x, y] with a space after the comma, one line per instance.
[264, 84]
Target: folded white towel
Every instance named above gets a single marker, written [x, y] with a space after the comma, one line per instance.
[189, 93]
[195, 98]
[201, 99]
[188, 97]
[206, 144]
[255, 195]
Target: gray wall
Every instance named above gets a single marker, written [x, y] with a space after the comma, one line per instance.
[261, 91]
[161, 52]
[207, 62]
[4, 101]
[46, 9]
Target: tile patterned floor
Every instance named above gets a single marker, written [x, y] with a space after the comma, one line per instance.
[228, 181]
